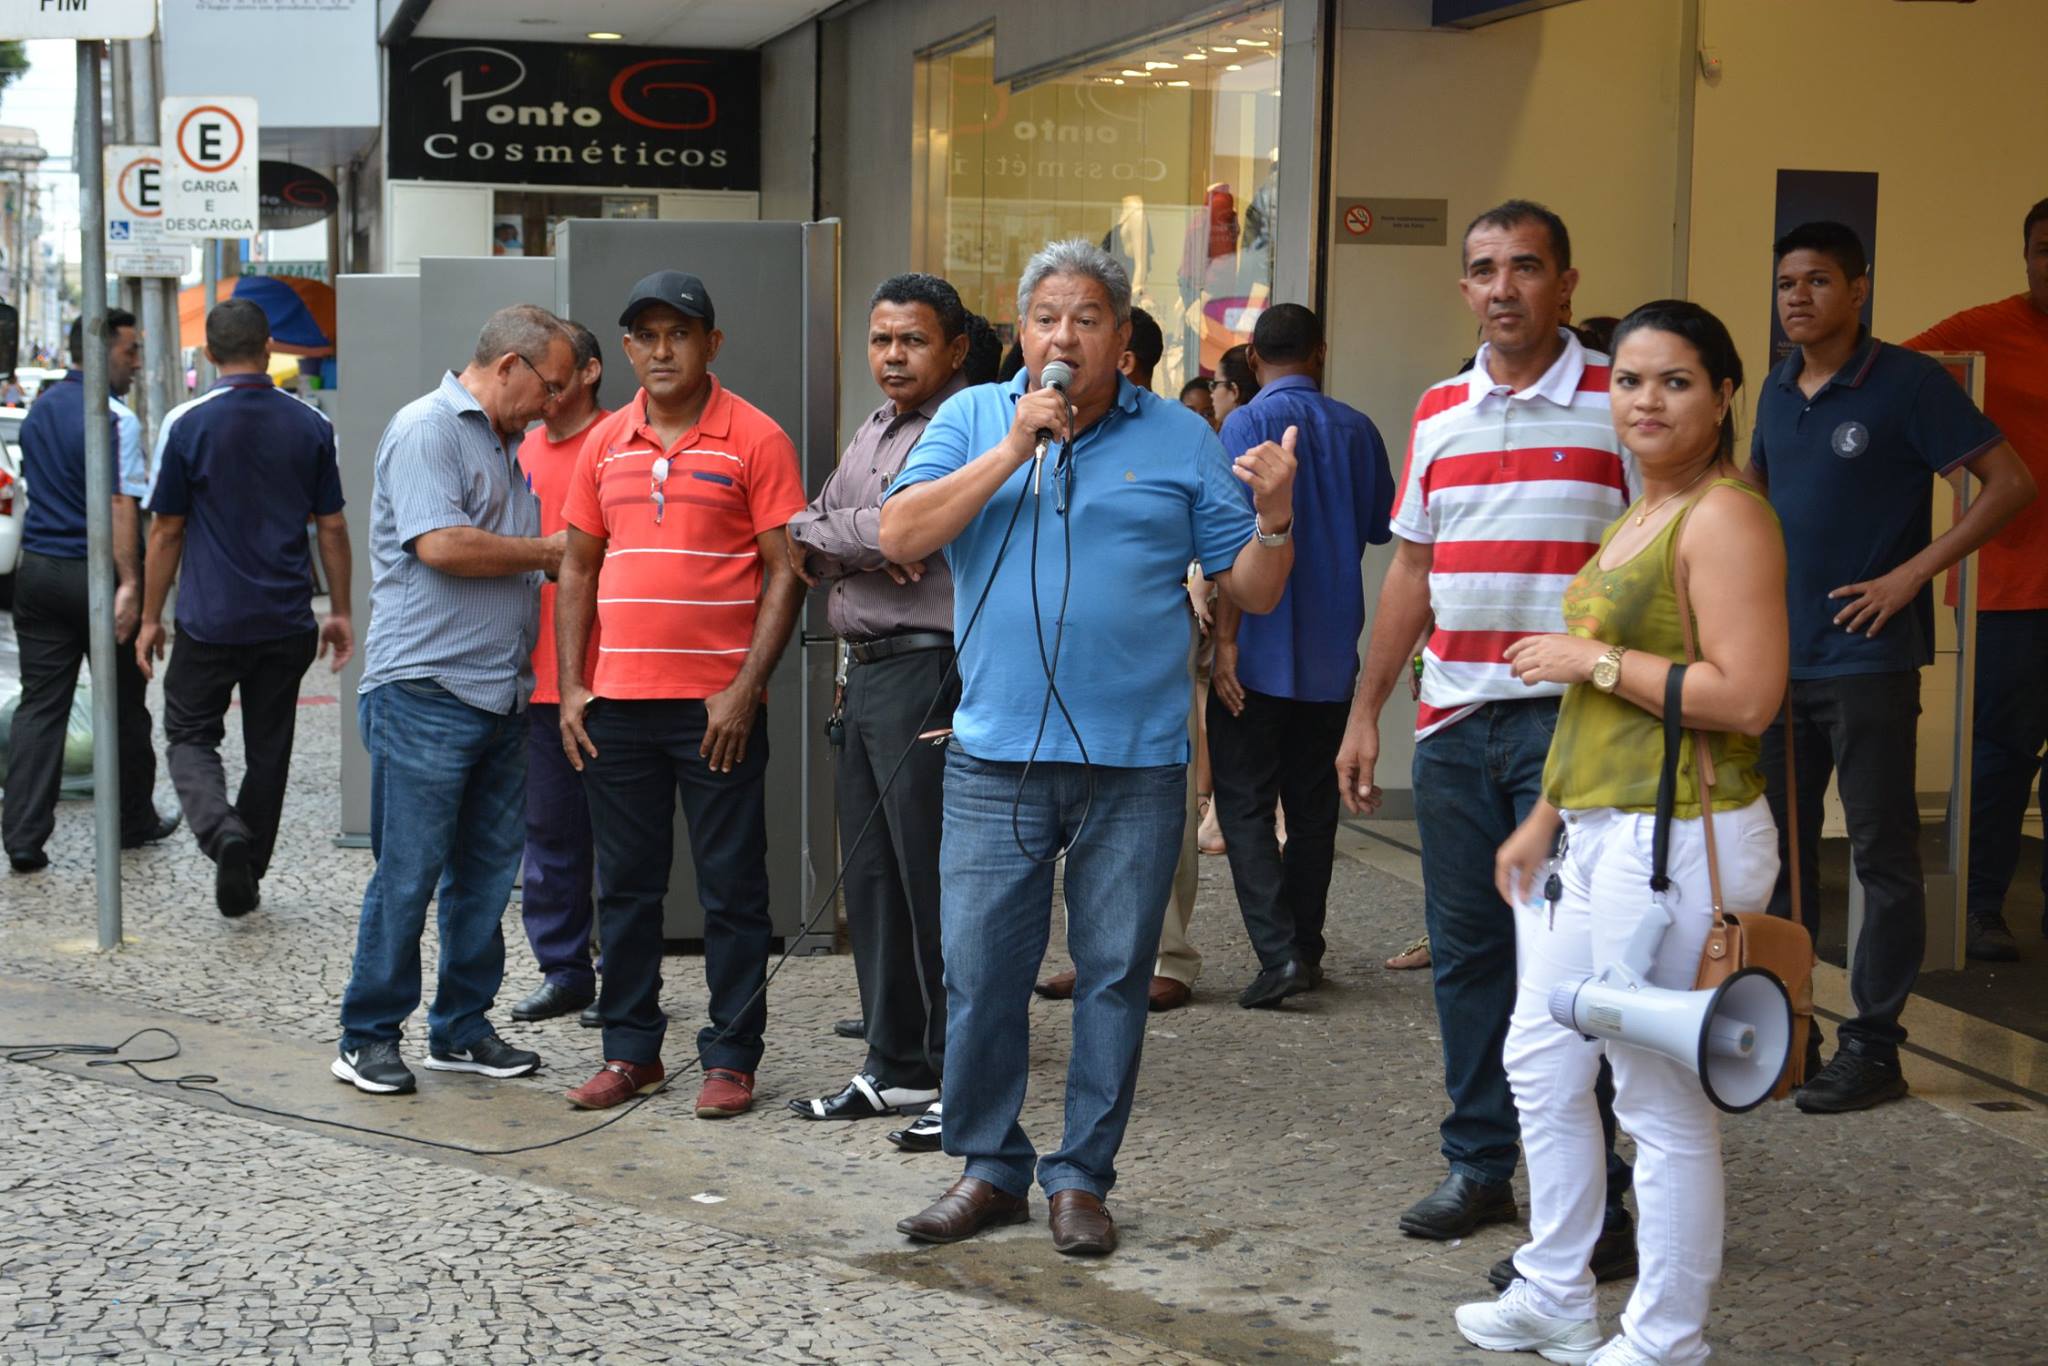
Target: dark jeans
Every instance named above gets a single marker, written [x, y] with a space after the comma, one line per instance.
[2008, 755]
[50, 625]
[1862, 728]
[198, 685]
[998, 918]
[445, 784]
[646, 755]
[554, 884]
[1474, 782]
[892, 874]
[1278, 751]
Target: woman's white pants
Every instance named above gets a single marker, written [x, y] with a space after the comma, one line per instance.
[1605, 877]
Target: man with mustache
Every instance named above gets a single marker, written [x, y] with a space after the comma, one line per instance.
[1514, 471]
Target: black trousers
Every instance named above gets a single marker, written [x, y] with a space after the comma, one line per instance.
[646, 756]
[50, 623]
[198, 686]
[892, 874]
[1862, 728]
[1278, 750]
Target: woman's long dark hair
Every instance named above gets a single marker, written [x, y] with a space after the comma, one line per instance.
[1708, 336]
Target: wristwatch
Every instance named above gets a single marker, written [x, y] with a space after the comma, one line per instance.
[1607, 669]
[1272, 538]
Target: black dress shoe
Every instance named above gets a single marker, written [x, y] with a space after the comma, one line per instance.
[1458, 1206]
[925, 1133]
[866, 1098]
[164, 828]
[1275, 985]
[1851, 1082]
[1613, 1259]
[854, 1027]
[550, 999]
[1991, 942]
[234, 879]
[590, 1019]
[29, 861]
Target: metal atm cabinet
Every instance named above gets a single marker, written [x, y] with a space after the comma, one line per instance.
[775, 287]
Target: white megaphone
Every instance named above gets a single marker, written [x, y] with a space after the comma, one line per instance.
[1737, 1038]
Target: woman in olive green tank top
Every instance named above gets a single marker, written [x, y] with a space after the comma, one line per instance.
[1672, 386]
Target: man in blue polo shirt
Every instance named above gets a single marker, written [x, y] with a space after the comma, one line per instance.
[240, 470]
[1280, 689]
[1850, 435]
[51, 612]
[1071, 732]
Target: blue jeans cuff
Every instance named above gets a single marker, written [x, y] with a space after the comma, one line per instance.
[1072, 1182]
[1003, 1178]
[1484, 1176]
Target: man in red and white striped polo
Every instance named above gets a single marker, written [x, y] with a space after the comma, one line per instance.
[1513, 472]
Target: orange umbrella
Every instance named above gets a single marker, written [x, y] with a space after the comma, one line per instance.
[192, 309]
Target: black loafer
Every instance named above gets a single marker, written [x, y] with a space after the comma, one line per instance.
[852, 1028]
[165, 827]
[1613, 1259]
[924, 1134]
[590, 1018]
[1275, 985]
[550, 999]
[866, 1098]
[1458, 1206]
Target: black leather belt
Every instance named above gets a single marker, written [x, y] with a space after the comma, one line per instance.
[888, 647]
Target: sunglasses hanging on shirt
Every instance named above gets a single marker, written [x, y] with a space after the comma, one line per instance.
[660, 470]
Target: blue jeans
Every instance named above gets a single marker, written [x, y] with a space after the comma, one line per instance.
[447, 783]
[1474, 782]
[2007, 756]
[995, 918]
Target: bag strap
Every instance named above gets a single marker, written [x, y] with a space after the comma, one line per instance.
[1667, 782]
[1702, 753]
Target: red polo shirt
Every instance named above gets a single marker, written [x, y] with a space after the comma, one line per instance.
[549, 467]
[676, 598]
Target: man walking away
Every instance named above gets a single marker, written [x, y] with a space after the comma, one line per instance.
[240, 470]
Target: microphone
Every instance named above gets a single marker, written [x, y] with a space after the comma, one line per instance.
[1056, 375]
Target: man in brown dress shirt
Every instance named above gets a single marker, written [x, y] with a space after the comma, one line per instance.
[897, 621]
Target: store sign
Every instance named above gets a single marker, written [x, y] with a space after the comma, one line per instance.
[575, 114]
[80, 19]
[289, 196]
[210, 166]
[136, 242]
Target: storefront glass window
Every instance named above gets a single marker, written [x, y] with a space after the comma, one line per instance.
[1167, 155]
[524, 223]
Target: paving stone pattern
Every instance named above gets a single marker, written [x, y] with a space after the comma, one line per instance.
[1280, 1145]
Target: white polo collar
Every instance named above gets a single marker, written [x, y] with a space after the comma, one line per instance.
[1559, 383]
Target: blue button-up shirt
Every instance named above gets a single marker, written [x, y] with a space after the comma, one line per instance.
[1307, 648]
[442, 464]
[53, 466]
[1144, 490]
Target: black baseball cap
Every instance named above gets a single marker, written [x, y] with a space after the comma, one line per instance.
[678, 289]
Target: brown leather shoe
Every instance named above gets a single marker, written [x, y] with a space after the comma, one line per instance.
[616, 1083]
[968, 1206]
[1081, 1227]
[1168, 993]
[1058, 987]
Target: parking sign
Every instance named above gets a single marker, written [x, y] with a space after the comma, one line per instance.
[210, 166]
[136, 244]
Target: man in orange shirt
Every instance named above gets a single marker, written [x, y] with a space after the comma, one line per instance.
[677, 547]
[2012, 594]
[554, 883]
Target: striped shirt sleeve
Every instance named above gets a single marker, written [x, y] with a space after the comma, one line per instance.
[422, 469]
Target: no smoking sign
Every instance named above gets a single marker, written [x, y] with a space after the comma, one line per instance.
[210, 166]
[1358, 220]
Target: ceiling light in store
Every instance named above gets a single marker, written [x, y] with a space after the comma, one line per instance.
[1233, 67]
[1161, 66]
[1179, 84]
[1196, 57]
[1127, 71]
[1253, 42]
[604, 37]
[1229, 50]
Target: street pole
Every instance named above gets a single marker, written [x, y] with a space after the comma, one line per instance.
[99, 503]
[209, 276]
[162, 375]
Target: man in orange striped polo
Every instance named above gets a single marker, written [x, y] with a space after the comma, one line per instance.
[677, 547]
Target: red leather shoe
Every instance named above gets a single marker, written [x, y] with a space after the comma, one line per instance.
[725, 1093]
[618, 1082]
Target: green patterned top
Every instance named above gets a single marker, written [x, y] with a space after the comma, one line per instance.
[1607, 751]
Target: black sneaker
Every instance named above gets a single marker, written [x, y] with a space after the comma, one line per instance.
[1991, 942]
[375, 1068]
[234, 879]
[489, 1056]
[1851, 1082]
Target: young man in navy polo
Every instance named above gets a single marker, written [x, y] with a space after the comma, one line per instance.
[1850, 435]
[240, 471]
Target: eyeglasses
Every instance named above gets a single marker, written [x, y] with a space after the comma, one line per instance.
[660, 478]
[554, 390]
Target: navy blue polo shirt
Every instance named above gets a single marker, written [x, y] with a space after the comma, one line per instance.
[246, 465]
[53, 466]
[1851, 473]
[1307, 647]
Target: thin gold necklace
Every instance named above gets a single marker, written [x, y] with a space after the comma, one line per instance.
[1644, 515]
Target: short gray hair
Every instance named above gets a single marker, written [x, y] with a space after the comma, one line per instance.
[1076, 256]
[526, 330]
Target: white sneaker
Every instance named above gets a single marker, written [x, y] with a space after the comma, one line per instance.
[1516, 1322]
[1619, 1351]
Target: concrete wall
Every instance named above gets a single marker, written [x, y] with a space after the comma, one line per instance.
[789, 68]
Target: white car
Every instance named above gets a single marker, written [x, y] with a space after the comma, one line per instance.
[13, 500]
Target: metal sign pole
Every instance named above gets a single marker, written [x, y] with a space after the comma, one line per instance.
[99, 505]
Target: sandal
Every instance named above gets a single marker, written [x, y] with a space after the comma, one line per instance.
[1209, 839]
[1416, 955]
